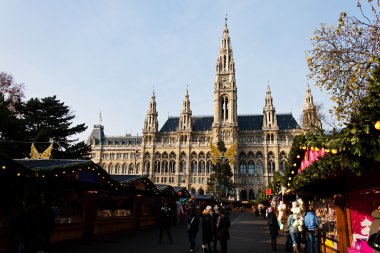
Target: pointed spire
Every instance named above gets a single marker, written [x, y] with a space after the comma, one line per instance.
[225, 62]
[268, 98]
[151, 122]
[185, 115]
[310, 119]
[270, 119]
[225, 91]
[308, 98]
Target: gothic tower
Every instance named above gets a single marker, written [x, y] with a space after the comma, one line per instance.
[151, 122]
[310, 119]
[184, 122]
[225, 125]
[270, 119]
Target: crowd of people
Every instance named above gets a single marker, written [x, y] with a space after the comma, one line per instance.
[299, 223]
[214, 224]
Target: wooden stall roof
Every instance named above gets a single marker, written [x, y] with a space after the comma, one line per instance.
[137, 183]
[10, 168]
[183, 191]
[166, 191]
[82, 171]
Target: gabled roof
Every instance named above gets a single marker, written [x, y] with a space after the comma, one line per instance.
[245, 123]
[126, 178]
[202, 123]
[45, 165]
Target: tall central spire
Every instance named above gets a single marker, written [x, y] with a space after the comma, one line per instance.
[225, 92]
[225, 62]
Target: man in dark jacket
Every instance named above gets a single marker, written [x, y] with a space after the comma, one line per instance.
[273, 227]
[222, 227]
[207, 235]
[165, 222]
[192, 224]
[215, 215]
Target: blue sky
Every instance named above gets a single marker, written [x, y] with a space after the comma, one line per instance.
[109, 55]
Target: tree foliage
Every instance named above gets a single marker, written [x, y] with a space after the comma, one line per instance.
[49, 119]
[11, 91]
[220, 181]
[357, 145]
[343, 57]
[10, 128]
[40, 121]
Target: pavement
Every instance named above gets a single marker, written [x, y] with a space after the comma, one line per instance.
[248, 234]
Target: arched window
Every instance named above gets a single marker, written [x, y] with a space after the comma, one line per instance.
[130, 169]
[194, 166]
[147, 167]
[251, 167]
[271, 166]
[283, 161]
[259, 167]
[157, 166]
[202, 167]
[271, 163]
[165, 166]
[182, 166]
[124, 169]
[110, 168]
[117, 166]
[243, 167]
[172, 166]
[209, 167]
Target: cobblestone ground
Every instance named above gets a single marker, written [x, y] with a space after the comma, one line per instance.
[248, 234]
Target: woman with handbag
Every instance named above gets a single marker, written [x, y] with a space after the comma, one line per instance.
[192, 223]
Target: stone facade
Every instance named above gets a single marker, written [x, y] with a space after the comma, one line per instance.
[179, 154]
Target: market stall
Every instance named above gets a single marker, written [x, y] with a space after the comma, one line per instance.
[146, 199]
[69, 188]
[14, 182]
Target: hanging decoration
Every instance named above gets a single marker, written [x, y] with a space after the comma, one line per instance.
[34, 154]
[223, 157]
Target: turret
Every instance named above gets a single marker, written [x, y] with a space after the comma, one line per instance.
[310, 119]
[184, 123]
[151, 122]
[270, 119]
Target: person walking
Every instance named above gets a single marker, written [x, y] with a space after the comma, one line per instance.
[207, 235]
[222, 228]
[215, 215]
[312, 226]
[165, 222]
[288, 239]
[192, 224]
[294, 233]
[273, 227]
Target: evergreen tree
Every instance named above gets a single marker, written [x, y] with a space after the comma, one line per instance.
[50, 119]
[220, 182]
[10, 128]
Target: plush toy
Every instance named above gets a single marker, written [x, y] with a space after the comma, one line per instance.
[281, 207]
[297, 208]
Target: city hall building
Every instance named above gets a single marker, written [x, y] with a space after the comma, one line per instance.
[179, 154]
